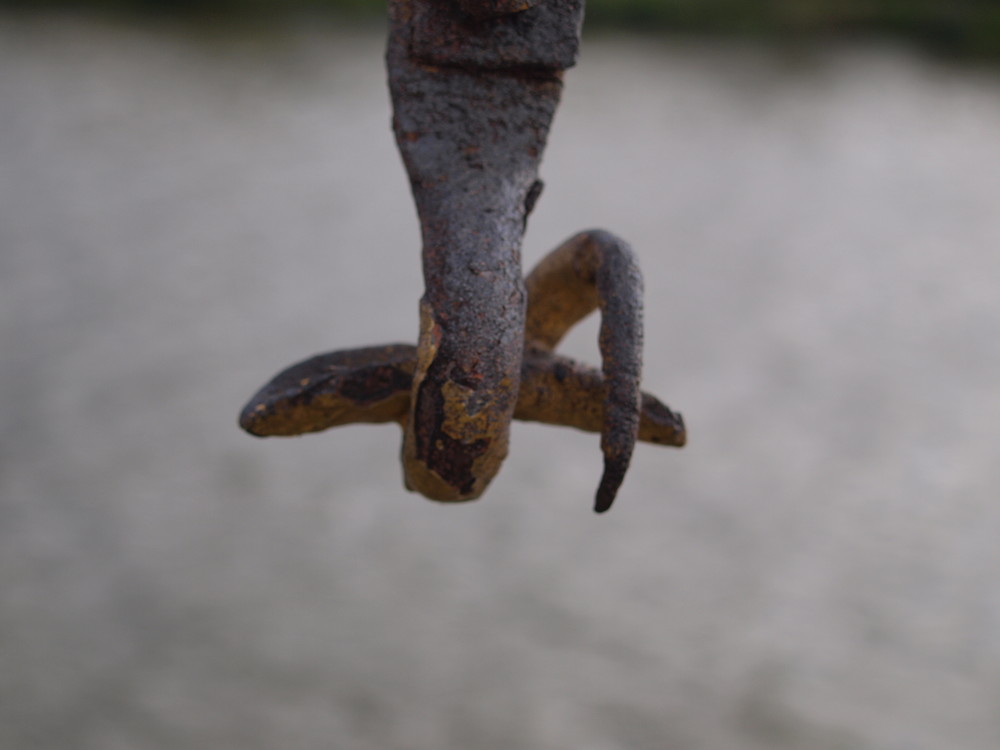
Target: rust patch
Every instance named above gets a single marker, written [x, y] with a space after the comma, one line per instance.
[474, 86]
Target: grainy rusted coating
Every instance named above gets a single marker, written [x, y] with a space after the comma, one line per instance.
[596, 269]
[472, 102]
[356, 385]
[591, 270]
[324, 391]
[474, 86]
[490, 8]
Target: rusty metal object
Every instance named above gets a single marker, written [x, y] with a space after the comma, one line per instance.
[472, 101]
[474, 86]
[589, 271]
[372, 386]
[596, 269]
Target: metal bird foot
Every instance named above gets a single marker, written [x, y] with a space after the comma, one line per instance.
[474, 87]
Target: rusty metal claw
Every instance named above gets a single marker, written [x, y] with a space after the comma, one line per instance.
[474, 89]
[596, 269]
[372, 385]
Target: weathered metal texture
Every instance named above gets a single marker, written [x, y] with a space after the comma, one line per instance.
[472, 102]
[590, 270]
[474, 86]
[544, 38]
[491, 8]
[372, 385]
[560, 391]
[343, 387]
[596, 269]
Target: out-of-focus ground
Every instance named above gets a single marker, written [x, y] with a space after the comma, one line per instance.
[182, 214]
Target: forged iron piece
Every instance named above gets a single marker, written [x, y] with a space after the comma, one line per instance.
[593, 269]
[474, 87]
[372, 385]
[596, 269]
[472, 102]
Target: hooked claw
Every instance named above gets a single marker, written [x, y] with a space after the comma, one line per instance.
[474, 88]
[593, 269]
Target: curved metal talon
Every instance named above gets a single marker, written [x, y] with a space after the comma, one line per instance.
[323, 392]
[474, 87]
[590, 270]
[356, 385]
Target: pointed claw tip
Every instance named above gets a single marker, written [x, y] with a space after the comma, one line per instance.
[606, 493]
[614, 474]
[253, 428]
[248, 419]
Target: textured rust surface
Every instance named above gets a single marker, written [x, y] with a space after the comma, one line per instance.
[596, 269]
[474, 87]
[589, 271]
[358, 385]
[472, 103]
[321, 392]
[543, 39]
[492, 8]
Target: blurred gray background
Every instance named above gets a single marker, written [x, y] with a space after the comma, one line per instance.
[184, 211]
